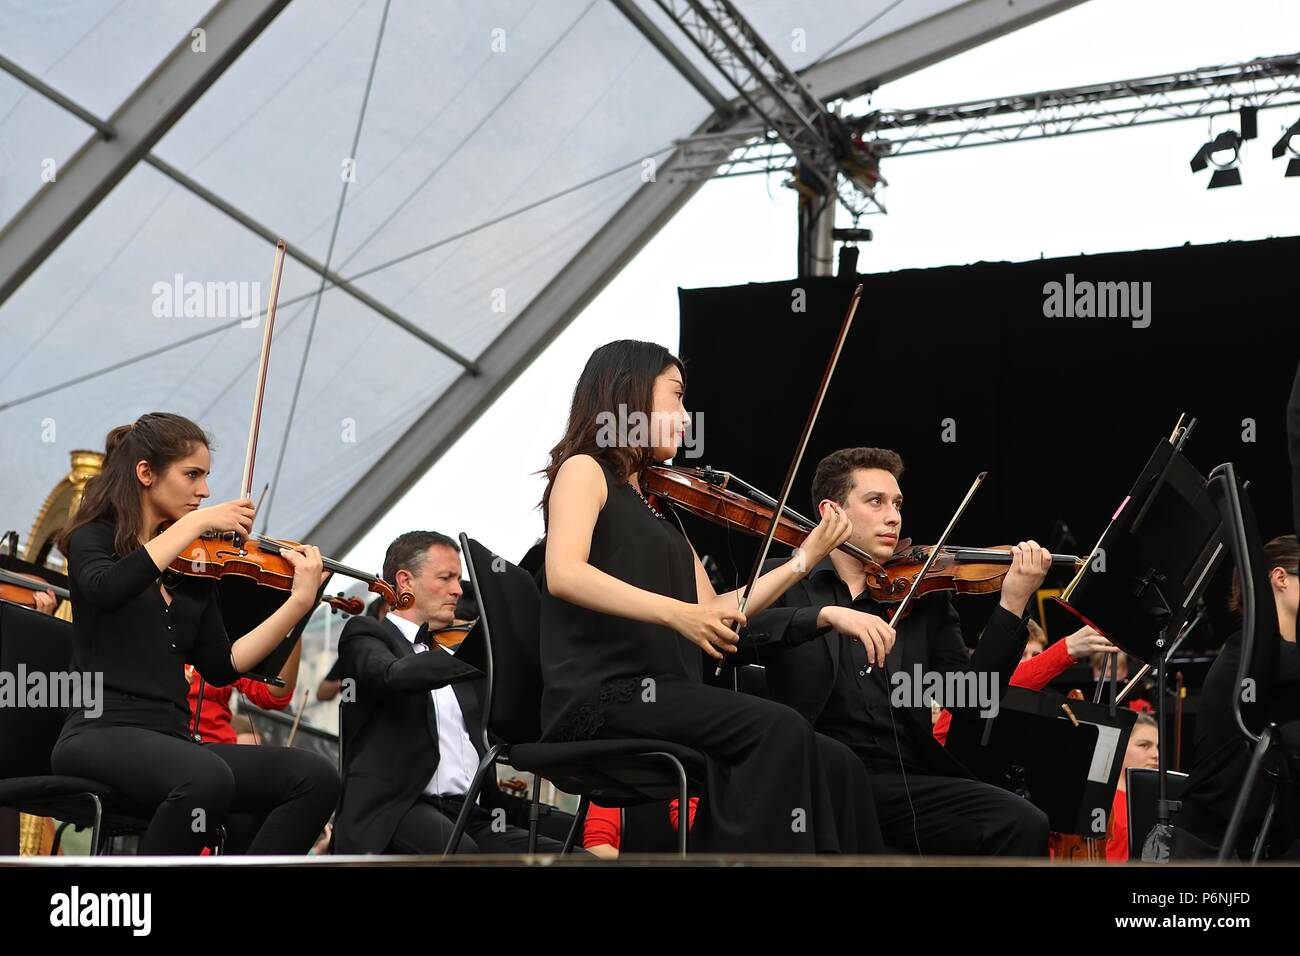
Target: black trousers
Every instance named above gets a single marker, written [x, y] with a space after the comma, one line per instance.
[195, 787]
[953, 816]
[427, 826]
[774, 785]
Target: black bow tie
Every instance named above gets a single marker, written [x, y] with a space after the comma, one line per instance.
[422, 636]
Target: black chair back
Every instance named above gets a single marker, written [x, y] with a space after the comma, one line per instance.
[1260, 638]
[31, 643]
[505, 644]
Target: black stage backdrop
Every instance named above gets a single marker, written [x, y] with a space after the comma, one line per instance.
[1062, 411]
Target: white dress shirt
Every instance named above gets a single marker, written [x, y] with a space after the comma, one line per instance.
[458, 760]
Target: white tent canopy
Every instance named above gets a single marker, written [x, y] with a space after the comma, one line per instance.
[495, 186]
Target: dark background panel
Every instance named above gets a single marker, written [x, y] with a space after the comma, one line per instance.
[1062, 412]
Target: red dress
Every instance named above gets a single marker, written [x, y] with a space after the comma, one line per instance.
[214, 722]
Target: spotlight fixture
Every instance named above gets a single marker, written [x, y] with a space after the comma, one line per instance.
[1283, 145]
[1225, 172]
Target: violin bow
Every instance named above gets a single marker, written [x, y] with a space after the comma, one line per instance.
[935, 551]
[799, 450]
[254, 425]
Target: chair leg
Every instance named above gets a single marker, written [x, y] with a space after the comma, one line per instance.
[534, 814]
[476, 786]
[58, 837]
[578, 820]
[683, 801]
[96, 825]
[1261, 841]
[683, 807]
[1243, 798]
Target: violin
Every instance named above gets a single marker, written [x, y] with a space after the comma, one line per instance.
[960, 570]
[451, 636]
[706, 494]
[260, 559]
[21, 589]
[347, 605]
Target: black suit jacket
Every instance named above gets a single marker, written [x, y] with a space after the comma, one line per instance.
[802, 663]
[389, 731]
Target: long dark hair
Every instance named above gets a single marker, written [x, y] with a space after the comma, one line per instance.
[161, 439]
[620, 373]
[1282, 552]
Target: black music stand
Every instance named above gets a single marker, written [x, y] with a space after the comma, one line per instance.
[1143, 580]
[1032, 747]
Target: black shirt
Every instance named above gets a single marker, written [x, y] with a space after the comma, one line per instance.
[821, 673]
[124, 629]
[1220, 754]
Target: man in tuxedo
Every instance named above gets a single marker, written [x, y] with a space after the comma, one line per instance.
[830, 654]
[412, 729]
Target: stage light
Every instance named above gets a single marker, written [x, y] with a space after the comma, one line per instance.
[1283, 145]
[1226, 172]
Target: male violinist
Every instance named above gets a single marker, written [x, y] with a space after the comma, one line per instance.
[412, 721]
[831, 655]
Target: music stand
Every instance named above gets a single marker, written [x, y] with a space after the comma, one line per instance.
[1068, 770]
[1142, 581]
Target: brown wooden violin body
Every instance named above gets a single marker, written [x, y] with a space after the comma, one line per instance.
[960, 570]
[15, 589]
[260, 560]
[704, 493]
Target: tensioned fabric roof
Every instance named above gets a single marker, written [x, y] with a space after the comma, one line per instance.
[472, 171]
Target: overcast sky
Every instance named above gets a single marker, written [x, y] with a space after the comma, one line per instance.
[1091, 193]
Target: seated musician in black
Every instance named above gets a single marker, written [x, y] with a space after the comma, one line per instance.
[412, 726]
[824, 645]
[139, 625]
[1220, 754]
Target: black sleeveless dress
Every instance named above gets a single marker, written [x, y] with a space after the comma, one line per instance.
[772, 784]
[589, 659]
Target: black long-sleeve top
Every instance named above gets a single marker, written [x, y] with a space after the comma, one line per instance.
[124, 629]
[823, 674]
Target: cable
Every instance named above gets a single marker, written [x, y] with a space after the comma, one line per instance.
[916, 836]
[468, 136]
[852, 35]
[329, 255]
[181, 343]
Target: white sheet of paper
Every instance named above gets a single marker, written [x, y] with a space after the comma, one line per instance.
[1104, 754]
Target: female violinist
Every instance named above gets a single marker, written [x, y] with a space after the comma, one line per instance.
[628, 613]
[139, 632]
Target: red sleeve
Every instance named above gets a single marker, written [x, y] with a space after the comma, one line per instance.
[260, 694]
[672, 813]
[941, 728]
[1037, 672]
[602, 826]
[1033, 674]
[1117, 838]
